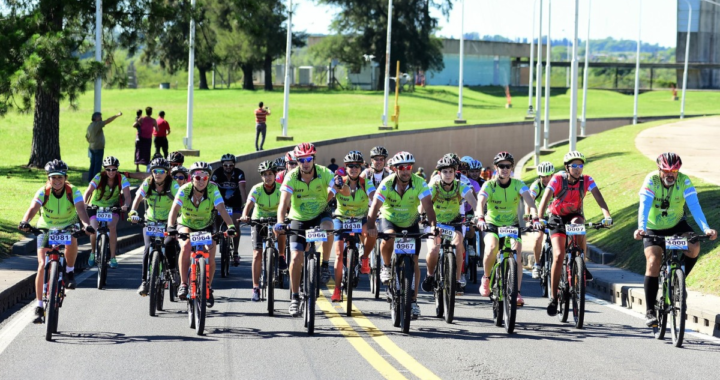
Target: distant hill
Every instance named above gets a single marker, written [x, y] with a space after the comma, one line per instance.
[606, 45]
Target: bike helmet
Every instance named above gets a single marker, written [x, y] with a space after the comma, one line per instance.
[267, 165]
[159, 163]
[228, 157]
[305, 150]
[467, 160]
[453, 157]
[403, 158]
[56, 167]
[279, 163]
[290, 157]
[573, 155]
[378, 151]
[176, 158]
[504, 156]
[180, 169]
[111, 161]
[354, 156]
[545, 169]
[669, 161]
[475, 165]
[445, 162]
[201, 165]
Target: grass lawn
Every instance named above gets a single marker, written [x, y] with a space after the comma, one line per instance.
[223, 122]
[619, 169]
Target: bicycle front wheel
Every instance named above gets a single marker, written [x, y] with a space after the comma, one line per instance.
[375, 272]
[200, 296]
[510, 295]
[408, 269]
[546, 256]
[103, 253]
[310, 292]
[270, 260]
[577, 291]
[438, 292]
[449, 284]
[661, 307]
[352, 257]
[678, 309]
[154, 281]
[52, 310]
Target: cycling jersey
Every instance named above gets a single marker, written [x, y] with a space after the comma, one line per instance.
[280, 176]
[459, 176]
[537, 190]
[447, 203]
[572, 201]
[58, 212]
[200, 216]
[503, 201]
[401, 210]
[158, 204]
[308, 200]
[662, 208]
[476, 190]
[376, 178]
[229, 186]
[266, 204]
[355, 204]
[110, 197]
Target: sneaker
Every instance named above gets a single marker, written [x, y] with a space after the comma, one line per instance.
[552, 307]
[294, 308]
[143, 289]
[255, 295]
[415, 310]
[365, 268]
[70, 280]
[183, 292]
[113, 263]
[536, 271]
[282, 264]
[385, 275]
[337, 295]
[91, 260]
[324, 274]
[236, 260]
[462, 281]
[211, 300]
[459, 289]
[485, 287]
[650, 319]
[39, 315]
[428, 284]
[520, 300]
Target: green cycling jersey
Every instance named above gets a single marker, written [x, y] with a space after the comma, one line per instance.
[663, 208]
[158, 204]
[503, 201]
[266, 203]
[401, 210]
[58, 212]
[107, 197]
[307, 200]
[200, 216]
[447, 203]
[354, 205]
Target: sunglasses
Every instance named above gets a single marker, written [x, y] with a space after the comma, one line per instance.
[404, 167]
[504, 166]
[304, 160]
[669, 171]
[179, 178]
[352, 166]
[198, 177]
[159, 171]
[577, 166]
[111, 170]
[378, 158]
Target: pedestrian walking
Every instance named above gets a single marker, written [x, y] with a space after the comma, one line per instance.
[160, 134]
[96, 141]
[261, 115]
[145, 126]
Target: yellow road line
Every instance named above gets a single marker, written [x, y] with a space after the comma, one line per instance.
[360, 345]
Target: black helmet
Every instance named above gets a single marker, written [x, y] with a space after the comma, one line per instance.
[504, 156]
[279, 163]
[111, 161]
[201, 165]
[180, 169]
[159, 163]
[379, 151]
[56, 167]
[176, 158]
[445, 162]
[227, 157]
[267, 165]
[454, 157]
[354, 156]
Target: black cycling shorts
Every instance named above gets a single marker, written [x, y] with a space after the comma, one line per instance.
[560, 222]
[681, 228]
[298, 243]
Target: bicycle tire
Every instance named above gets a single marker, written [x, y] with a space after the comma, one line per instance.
[394, 290]
[578, 291]
[352, 257]
[563, 294]
[52, 312]
[678, 307]
[270, 257]
[191, 312]
[510, 299]
[546, 255]
[224, 258]
[102, 259]
[173, 289]
[161, 294]
[496, 295]
[310, 294]
[408, 269]
[449, 284]
[154, 281]
[201, 296]
[661, 307]
[375, 276]
[473, 269]
[438, 292]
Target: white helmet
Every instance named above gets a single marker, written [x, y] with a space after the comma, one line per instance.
[573, 155]
[403, 158]
[545, 169]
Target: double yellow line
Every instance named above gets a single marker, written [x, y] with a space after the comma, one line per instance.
[371, 355]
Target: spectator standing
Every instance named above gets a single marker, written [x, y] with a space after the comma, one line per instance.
[96, 141]
[333, 166]
[143, 141]
[261, 115]
[160, 133]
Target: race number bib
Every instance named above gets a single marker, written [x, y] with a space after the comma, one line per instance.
[200, 238]
[229, 210]
[678, 243]
[60, 238]
[104, 216]
[155, 230]
[312, 236]
[446, 232]
[511, 232]
[404, 246]
[575, 229]
[355, 227]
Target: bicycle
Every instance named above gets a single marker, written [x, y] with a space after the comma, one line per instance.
[225, 245]
[573, 280]
[375, 266]
[446, 273]
[546, 258]
[104, 215]
[473, 262]
[351, 228]
[199, 293]
[159, 273]
[402, 275]
[54, 283]
[269, 274]
[673, 297]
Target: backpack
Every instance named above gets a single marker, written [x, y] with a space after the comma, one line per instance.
[68, 193]
[564, 188]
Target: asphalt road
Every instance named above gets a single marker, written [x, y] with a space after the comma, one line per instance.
[108, 335]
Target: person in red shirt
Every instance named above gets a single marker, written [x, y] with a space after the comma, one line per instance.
[261, 115]
[143, 140]
[160, 133]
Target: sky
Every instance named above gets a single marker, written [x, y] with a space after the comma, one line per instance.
[514, 19]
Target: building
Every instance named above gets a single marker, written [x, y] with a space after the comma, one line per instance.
[704, 47]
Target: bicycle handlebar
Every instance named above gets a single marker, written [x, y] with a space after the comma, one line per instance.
[405, 234]
[185, 236]
[692, 238]
[596, 226]
[74, 231]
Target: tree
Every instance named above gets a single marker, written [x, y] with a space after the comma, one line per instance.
[42, 43]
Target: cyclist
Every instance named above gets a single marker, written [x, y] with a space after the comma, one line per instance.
[663, 196]
[352, 193]
[398, 197]
[544, 171]
[473, 173]
[568, 189]
[180, 174]
[176, 159]
[158, 192]
[447, 198]
[266, 195]
[377, 170]
[290, 164]
[60, 205]
[231, 182]
[305, 193]
[279, 164]
[465, 163]
[502, 196]
[194, 203]
[104, 191]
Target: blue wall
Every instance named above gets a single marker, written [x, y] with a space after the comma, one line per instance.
[478, 71]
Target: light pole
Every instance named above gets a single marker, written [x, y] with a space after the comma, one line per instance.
[532, 59]
[637, 65]
[286, 85]
[459, 119]
[191, 80]
[98, 52]
[567, 55]
[574, 84]
[387, 67]
[585, 73]
[538, 131]
[548, 60]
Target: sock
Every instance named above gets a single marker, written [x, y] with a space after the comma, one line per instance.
[651, 290]
[325, 264]
[40, 303]
[69, 269]
[689, 264]
[296, 296]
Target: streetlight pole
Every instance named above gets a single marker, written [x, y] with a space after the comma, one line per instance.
[459, 119]
[532, 59]
[98, 52]
[574, 84]
[687, 54]
[548, 60]
[191, 81]
[286, 85]
[637, 65]
[585, 73]
[387, 67]
[538, 130]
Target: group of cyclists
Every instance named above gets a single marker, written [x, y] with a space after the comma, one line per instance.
[387, 198]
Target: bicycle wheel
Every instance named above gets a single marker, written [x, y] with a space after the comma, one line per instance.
[352, 258]
[173, 289]
[270, 257]
[510, 295]
[394, 290]
[191, 312]
[52, 309]
[201, 296]
[497, 295]
[102, 260]
[310, 294]
[375, 272]
[661, 307]
[678, 308]
[449, 284]
[546, 255]
[408, 269]
[438, 293]
[224, 258]
[577, 291]
[473, 268]
[154, 281]
[563, 294]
